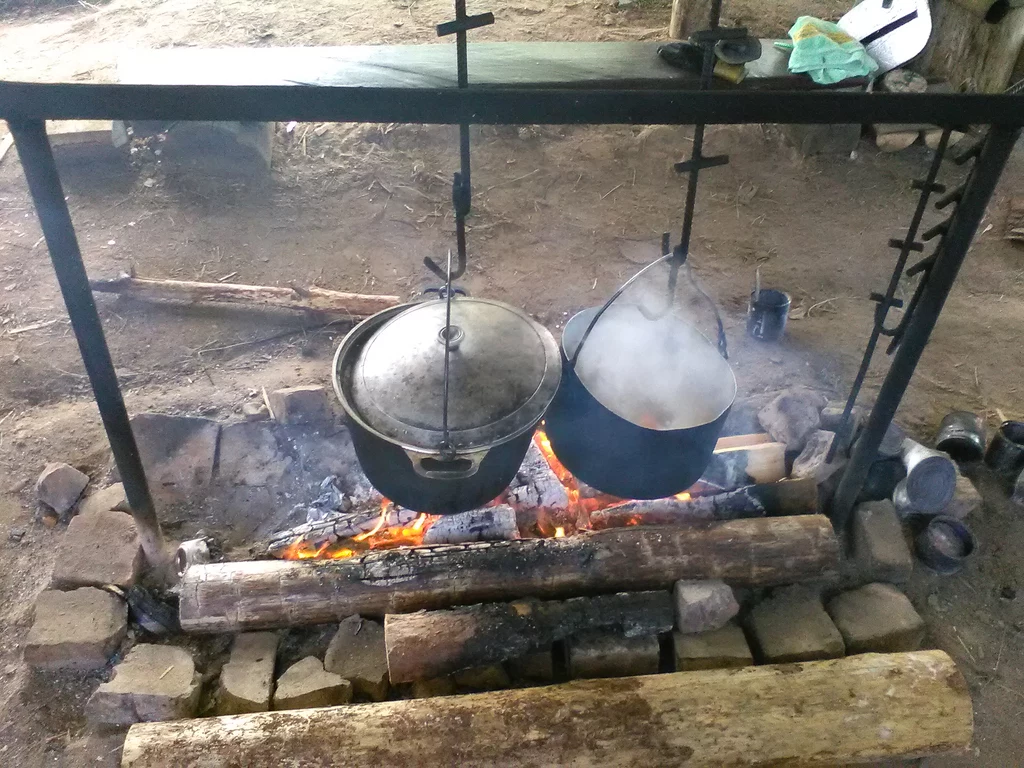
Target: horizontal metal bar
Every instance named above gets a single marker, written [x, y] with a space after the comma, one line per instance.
[493, 105]
[466, 24]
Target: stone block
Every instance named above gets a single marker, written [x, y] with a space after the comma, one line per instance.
[834, 139]
[255, 411]
[792, 625]
[792, 417]
[153, 682]
[832, 416]
[250, 455]
[724, 648]
[536, 667]
[437, 686]
[248, 678]
[60, 485]
[78, 630]
[877, 618]
[490, 678]
[879, 547]
[703, 605]
[610, 654]
[104, 500]
[177, 452]
[97, 549]
[301, 405]
[966, 498]
[357, 653]
[811, 462]
[307, 684]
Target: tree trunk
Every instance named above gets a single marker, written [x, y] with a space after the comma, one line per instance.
[430, 644]
[234, 597]
[688, 16]
[969, 52]
[294, 297]
[861, 709]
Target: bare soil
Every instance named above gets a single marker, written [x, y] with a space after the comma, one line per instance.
[562, 216]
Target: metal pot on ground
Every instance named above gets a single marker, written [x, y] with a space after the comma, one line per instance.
[639, 412]
[390, 376]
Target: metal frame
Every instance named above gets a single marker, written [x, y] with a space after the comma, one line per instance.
[27, 105]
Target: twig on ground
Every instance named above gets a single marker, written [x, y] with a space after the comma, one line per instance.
[610, 191]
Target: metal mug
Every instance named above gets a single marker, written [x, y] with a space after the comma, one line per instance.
[962, 435]
[1005, 455]
[767, 313]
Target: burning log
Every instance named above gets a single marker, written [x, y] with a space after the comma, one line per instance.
[489, 524]
[536, 486]
[787, 497]
[722, 506]
[430, 644]
[234, 597]
[860, 709]
[292, 297]
[317, 536]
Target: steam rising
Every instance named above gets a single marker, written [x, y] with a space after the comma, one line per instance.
[660, 373]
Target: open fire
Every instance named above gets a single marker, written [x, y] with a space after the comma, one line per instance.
[397, 527]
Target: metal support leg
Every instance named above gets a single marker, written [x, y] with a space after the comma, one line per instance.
[976, 195]
[48, 195]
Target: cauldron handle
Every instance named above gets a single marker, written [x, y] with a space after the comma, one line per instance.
[723, 347]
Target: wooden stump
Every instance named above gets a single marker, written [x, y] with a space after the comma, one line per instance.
[823, 713]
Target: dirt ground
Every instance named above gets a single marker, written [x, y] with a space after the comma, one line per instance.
[562, 215]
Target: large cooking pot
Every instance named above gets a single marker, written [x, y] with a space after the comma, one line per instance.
[638, 414]
[389, 373]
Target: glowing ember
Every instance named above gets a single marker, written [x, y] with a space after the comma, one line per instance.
[388, 532]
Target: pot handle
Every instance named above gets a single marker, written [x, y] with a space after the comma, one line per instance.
[433, 467]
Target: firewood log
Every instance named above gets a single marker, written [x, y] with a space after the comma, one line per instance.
[281, 297]
[862, 709]
[234, 597]
[721, 506]
[429, 644]
[496, 523]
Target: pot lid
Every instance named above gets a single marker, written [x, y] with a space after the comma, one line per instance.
[504, 369]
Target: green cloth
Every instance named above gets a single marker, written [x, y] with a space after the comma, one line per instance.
[826, 53]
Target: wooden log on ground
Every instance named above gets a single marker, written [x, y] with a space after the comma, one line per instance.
[860, 709]
[233, 597]
[280, 297]
[429, 644]
[733, 505]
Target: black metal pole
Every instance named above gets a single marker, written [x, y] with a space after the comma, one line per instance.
[55, 219]
[979, 189]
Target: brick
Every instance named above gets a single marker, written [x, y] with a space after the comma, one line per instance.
[307, 684]
[110, 498]
[879, 547]
[490, 678]
[301, 405]
[177, 452]
[154, 682]
[792, 625]
[249, 455]
[609, 654]
[78, 630]
[792, 417]
[877, 618]
[248, 678]
[98, 549]
[724, 648]
[60, 485]
[703, 605]
[357, 654]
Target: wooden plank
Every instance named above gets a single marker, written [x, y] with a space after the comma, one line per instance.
[731, 442]
[542, 65]
[688, 16]
[736, 467]
[860, 709]
[231, 597]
